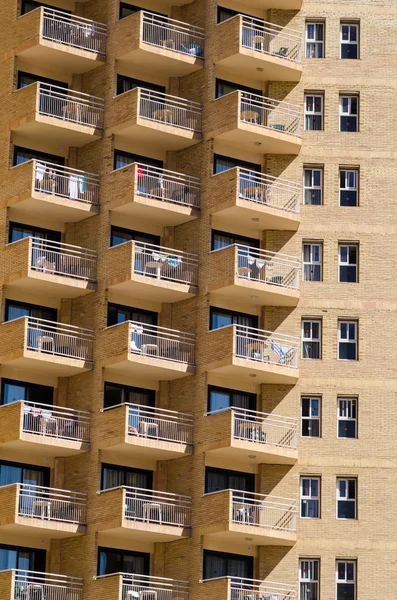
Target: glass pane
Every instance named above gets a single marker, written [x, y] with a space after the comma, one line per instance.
[317, 104]
[308, 591]
[353, 255]
[352, 488]
[305, 407]
[220, 320]
[343, 254]
[348, 198]
[347, 429]
[317, 178]
[345, 32]
[349, 51]
[348, 274]
[353, 33]
[14, 312]
[315, 330]
[320, 32]
[8, 559]
[219, 400]
[352, 331]
[315, 404]
[310, 31]
[346, 509]
[345, 591]
[315, 487]
[348, 124]
[347, 351]
[313, 197]
[350, 572]
[342, 488]
[343, 331]
[13, 393]
[354, 105]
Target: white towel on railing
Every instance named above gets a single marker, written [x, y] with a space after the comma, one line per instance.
[40, 171]
[73, 187]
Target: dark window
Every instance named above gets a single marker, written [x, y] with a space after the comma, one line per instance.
[11, 472]
[222, 564]
[18, 231]
[22, 155]
[25, 79]
[220, 239]
[118, 313]
[29, 5]
[111, 560]
[311, 417]
[128, 9]
[116, 394]
[228, 13]
[18, 557]
[348, 111]
[115, 476]
[15, 309]
[122, 159]
[221, 398]
[223, 87]
[119, 235]
[125, 84]
[224, 163]
[224, 479]
[220, 317]
[349, 41]
[13, 390]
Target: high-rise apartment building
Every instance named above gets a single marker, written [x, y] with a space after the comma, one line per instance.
[197, 338]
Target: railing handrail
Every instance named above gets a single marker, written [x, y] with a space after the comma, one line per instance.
[70, 95]
[188, 256]
[63, 410]
[262, 333]
[62, 169]
[175, 333]
[255, 413]
[74, 19]
[79, 496]
[163, 580]
[265, 102]
[178, 25]
[87, 253]
[155, 411]
[260, 498]
[269, 179]
[151, 494]
[174, 175]
[172, 100]
[60, 327]
[276, 257]
[49, 578]
[262, 25]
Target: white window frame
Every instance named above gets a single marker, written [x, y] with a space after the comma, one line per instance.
[349, 113]
[348, 263]
[346, 498]
[312, 187]
[304, 497]
[355, 173]
[311, 339]
[346, 405]
[347, 340]
[345, 580]
[314, 42]
[313, 113]
[311, 417]
[349, 42]
[306, 565]
[312, 263]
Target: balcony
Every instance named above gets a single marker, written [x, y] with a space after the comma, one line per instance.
[148, 351]
[125, 586]
[231, 516]
[155, 119]
[254, 123]
[160, 44]
[152, 272]
[254, 201]
[45, 347]
[35, 429]
[250, 47]
[51, 192]
[254, 437]
[254, 276]
[17, 584]
[128, 513]
[61, 41]
[43, 267]
[236, 588]
[155, 195]
[48, 112]
[246, 354]
[146, 432]
[30, 510]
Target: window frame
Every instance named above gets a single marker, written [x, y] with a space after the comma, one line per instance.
[345, 580]
[349, 42]
[29, 387]
[125, 391]
[349, 114]
[314, 113]
[340, 419]
[309, 498]
[348, 322]
[228, 473]
[252, 398]
[310, 580]
[312, 263]
[311, 339]
[348, 245]
[311, 417]
[37, 556]
[130, 310]
[227, 556]
[313, 187]
[144, 555]
[346, 498]
[355, 189]
[314, 42]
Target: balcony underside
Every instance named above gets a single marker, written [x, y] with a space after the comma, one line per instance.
[60, 57]
[155, 211]
[243, 370]
[52, 130]
[241, 290]
[153, 289]
[251, 452]
[237, 533]
[246, 137]
[278, 4]
[162, 60]
[246, 63]
[242, 212]
[147, 367]
[50, 208]
[41, 446]
[47, 284]
[141, 531]
[125, 447]
[41, 528]
[45, 363]
[151, 133]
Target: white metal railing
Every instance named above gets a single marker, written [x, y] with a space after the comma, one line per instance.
[165, 263]
[269, 38]
[65, 182]
[262, 428]
[264, 346]
[49, 337]
[51, 504]
[77, 32]
[270, 191]
[161, 342]
[149, 422]
[269, 113]
[70, 105]
[151, 506]
[147, 587]
[33, 585]
[259, 510]
[56, 258]
[172, 35]
[171, 110]
[251, 589]
[168, 186]
[56, 421]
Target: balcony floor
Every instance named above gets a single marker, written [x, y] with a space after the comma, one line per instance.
[241, 290]
[246, 63]
[45, 364]
[162, 60]
[56, 131]
[49, 207]
[237, 533]
[47, 284]
[125, 447]
[42, 528]
[246, 136]
[30, 444]
[141, 531]
[60, 57]
[230, 213]
[157, 212]
[153, 289]
[243, 370]
[147, 367]
[251, 452]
